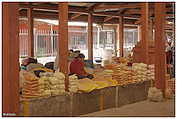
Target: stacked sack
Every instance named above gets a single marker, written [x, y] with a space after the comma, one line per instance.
[151, 72]
[108, 73]
[122, 74]
[52, 83]
[73, 83]
[104, 79]
[140, 69]
[155, 94]
[57, 83]
[86, 85]
[44, 86]
[30, 87]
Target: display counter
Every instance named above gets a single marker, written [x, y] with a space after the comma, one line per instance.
[51, 106]
[75, 104]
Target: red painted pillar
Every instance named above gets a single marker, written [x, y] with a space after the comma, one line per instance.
[10, 59]
[30, 33]
[121, 36]
[63, 40]
[90, 36]
[145, 32]
[160, 64]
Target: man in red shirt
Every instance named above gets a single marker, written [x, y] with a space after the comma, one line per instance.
[77, 67]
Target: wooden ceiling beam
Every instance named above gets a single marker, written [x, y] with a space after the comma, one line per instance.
[104, 7]
[76, 15]
[132, 11]
[22, 12]
[41, 15]
[83, 18]
[81, 10]
[108, 18]
[117, 15]
[54, 8]
[93, 6]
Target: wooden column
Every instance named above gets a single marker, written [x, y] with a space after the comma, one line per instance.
[151, 29]
[63, 40]
[10, 59]
[144, 32]
[160, 64]
[121, 36]
[139, 33]
[117, 41]
[30, 33]
[90, 36]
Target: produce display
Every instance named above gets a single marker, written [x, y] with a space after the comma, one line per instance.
[123, 60]
[47, 85]
[52, 84]
[119, 60]
[30, 86]
[140, 69]
[101, 84]
[73, 83]
[106, 77]
[86, 85]
[123, 74]
[151, 72]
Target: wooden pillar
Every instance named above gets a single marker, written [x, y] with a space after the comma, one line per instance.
[63, 40]
[144, 33]
[139, 33]
[160, 64]
[90, 36]
[151, 29]
[115, 41]
[30, 33]
[10, 59]
[121, 36]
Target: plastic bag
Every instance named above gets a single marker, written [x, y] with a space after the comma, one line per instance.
[86, 85]
[101, 84]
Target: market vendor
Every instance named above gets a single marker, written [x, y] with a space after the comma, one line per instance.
[77, 67]
[70, 58]
[26, 62]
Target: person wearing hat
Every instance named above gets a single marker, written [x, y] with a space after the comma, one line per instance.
[77, 67]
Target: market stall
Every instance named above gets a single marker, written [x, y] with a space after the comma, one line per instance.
[113, 86]
[57, 94]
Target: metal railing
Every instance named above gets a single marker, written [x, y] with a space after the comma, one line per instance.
[45, 41]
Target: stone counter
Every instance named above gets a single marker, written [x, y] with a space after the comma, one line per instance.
[75, 104]
[132, 93]
[51, 106]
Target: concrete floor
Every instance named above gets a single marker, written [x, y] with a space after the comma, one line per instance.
[140, 109]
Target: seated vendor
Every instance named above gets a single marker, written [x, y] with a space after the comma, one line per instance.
[26, 62]
[77, 67]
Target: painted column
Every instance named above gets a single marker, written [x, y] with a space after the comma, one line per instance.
[30, 33]
[160, 63]
[63, 40]
[90, 36]
[10, 59]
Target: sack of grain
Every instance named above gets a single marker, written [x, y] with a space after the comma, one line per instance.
[155, 94]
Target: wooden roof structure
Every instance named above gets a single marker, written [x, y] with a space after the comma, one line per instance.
[103, 12]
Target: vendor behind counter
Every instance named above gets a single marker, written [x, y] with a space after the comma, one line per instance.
[31, 65]
[77, 67]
